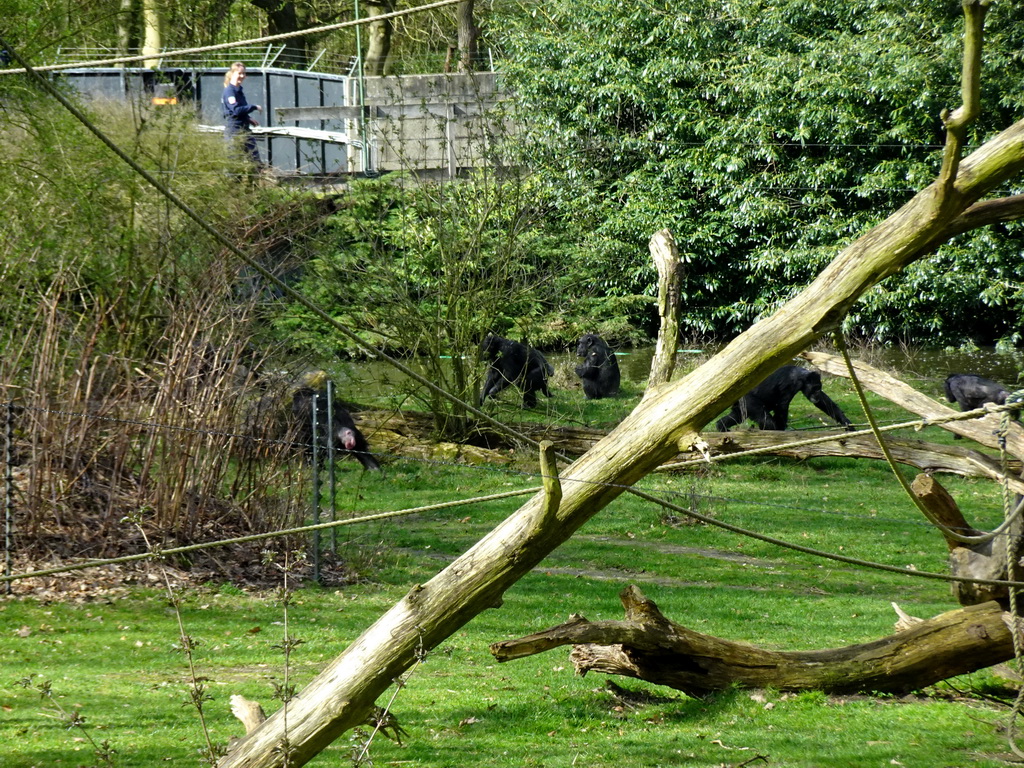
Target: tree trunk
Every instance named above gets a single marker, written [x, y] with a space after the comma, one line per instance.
[985, 559]
[670, 288]
[283, 17]
[125, 21]
[664, 423]
[468, 33]
[647, 646]
[378, 44]
[153, 32]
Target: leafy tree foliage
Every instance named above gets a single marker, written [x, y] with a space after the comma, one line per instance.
[428, 270]
[765, 136]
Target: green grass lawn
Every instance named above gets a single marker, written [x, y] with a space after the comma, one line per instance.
[115, 660]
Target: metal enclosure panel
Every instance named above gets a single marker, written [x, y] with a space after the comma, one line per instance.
[210, 87]
[310, 153]
[98, 83]
[280, 92]
[335, 155]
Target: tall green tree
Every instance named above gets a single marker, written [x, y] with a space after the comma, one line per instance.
[427, 270]
[765, 136]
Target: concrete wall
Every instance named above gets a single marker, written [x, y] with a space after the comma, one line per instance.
[428, 123]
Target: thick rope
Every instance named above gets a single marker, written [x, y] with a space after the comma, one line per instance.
[156, 554]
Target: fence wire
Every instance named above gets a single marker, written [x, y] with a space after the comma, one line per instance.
[665, 498]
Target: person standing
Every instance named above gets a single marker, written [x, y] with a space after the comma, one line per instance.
[238, 111]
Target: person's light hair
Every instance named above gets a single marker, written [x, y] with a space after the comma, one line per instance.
[236, 67]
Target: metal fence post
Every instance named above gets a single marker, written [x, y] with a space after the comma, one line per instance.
[331, 476]
[316, 487]
[8, 492]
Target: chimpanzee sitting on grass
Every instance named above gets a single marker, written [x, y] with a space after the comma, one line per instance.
[767, 404]
[346, 436]
[514, 363]
[599, 369]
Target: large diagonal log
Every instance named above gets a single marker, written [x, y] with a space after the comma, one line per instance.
[650, 647]
[667, 421]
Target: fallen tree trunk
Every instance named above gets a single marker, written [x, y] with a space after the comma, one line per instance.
[396, 427]
[983, 430]
[927, 457]
[650, 647]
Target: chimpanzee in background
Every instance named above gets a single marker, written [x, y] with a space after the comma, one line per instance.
[346, 436]
[970, 391]
[514, 363]
[767, 404]
[599, 369]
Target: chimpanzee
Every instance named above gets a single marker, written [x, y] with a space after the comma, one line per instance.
[347, 437]
[514, 363]
[599, 369]
[767, 404]
[970, 391]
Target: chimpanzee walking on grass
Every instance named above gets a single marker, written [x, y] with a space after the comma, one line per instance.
[514, 363]
[342, 429]
[970, 391]
[767, 404]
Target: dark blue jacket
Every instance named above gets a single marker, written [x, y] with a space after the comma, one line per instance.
[236, 109]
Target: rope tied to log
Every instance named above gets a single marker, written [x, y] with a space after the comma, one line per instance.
[1008, 521]
[1011, 510]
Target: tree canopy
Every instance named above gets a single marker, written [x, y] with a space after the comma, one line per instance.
[765, 136]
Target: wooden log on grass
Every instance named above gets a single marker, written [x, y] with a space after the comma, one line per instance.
[647, 646]
[925, 456]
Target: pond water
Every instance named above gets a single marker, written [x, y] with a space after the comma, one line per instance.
[925, 369]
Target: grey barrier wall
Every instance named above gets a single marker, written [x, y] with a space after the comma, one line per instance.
[430, 124]
[270, 88]
[426, 123]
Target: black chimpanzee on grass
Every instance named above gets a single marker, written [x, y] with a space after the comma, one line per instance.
[970, 391]
[767, 404]
[514, 363]
[347, 437]
[599, 369]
